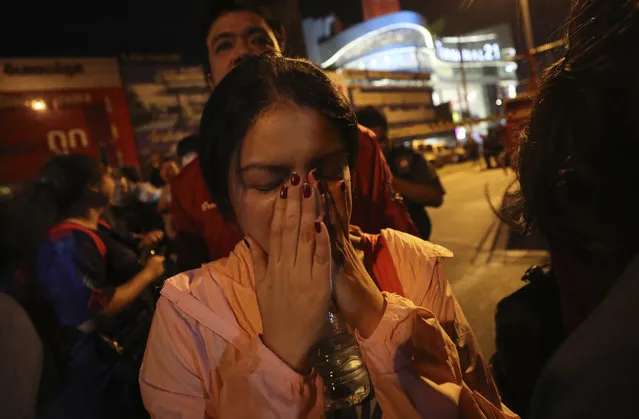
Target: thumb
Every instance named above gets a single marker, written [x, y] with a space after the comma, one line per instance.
[259, 256]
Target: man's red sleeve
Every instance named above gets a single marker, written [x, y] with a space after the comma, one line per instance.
[374, 179]
[190, 246]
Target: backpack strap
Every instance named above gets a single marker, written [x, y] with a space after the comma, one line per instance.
[379, 263]
[66, 227]
[188, 304]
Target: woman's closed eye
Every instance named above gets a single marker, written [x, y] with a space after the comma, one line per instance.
[262, 41]
[223, 46]
[264, 180]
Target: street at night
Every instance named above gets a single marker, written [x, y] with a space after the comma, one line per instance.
[484, 269]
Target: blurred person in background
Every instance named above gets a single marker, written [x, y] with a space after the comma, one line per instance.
[20, 347]
[152, 170]
[230, 33]
[232, 338]
[169, 171]
[83, 287]
[580, 184]
[413, 177]
[187, 150]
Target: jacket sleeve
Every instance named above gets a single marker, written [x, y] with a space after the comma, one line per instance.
[190, 245]
[425, 362]
[178, 381]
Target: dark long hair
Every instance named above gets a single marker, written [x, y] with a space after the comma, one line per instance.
[577, 161]
[65, 189]
[257, 83]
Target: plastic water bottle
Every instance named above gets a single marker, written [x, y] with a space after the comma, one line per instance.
[337, 359]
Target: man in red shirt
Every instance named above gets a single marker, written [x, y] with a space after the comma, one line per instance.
[202, 234]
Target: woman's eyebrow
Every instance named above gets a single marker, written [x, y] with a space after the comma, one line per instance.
[286, 167]
[331, 154]
[266, 166]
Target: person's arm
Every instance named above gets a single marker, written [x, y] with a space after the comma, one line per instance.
[424, 360]
[177, 379]
[421, 194]
[129, 291]
[424, 187]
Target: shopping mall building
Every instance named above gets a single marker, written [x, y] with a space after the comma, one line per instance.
[473, 73]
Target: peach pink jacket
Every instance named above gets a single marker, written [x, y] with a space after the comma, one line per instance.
[204, 358]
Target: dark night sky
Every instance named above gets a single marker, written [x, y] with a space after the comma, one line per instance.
[81, 28]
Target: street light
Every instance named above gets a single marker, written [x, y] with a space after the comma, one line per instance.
[38, 105]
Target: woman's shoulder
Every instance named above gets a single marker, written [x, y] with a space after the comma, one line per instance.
[417, 265]
[407, 246]
[221, 289]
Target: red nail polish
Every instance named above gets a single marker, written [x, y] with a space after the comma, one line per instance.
[306, 190]
[295, 179]
[283, 191]
[318, 226]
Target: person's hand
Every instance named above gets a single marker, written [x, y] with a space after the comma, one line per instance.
[357, 297]
[293, 282]
[151, 239]
[154, 267]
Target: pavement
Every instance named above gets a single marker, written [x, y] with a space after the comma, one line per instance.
[489, 259]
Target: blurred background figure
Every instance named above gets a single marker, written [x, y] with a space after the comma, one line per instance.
[493, 149]
[152, 170]
[169, 171]
[413, 177]
[84, 287]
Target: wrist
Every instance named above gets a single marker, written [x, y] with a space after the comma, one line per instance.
[371, 315]
[148, 275]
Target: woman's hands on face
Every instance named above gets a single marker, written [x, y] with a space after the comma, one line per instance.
[293, 282]
[356, 295]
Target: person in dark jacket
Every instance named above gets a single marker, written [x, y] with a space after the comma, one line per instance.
[413, 177]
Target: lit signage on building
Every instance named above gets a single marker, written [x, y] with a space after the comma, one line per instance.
[483, 53]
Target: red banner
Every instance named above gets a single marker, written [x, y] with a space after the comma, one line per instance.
[93, 121]
[53, 106]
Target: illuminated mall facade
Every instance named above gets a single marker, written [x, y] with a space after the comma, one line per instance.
[474, 72]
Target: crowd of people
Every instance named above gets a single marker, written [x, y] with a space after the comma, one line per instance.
[199, 289]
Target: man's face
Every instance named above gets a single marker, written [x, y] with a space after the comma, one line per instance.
[235, 35]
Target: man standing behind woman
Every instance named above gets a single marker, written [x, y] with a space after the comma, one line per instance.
[231, 33]
[414, 178]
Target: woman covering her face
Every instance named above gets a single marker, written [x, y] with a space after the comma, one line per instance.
[232, 339]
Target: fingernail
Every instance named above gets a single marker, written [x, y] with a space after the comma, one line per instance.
[323, 188]
[247, 243]
[318, 226]
[283, 191]
[306, 190]
[315, 174]
[295, 179]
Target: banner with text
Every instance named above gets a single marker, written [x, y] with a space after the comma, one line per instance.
[165, 102]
